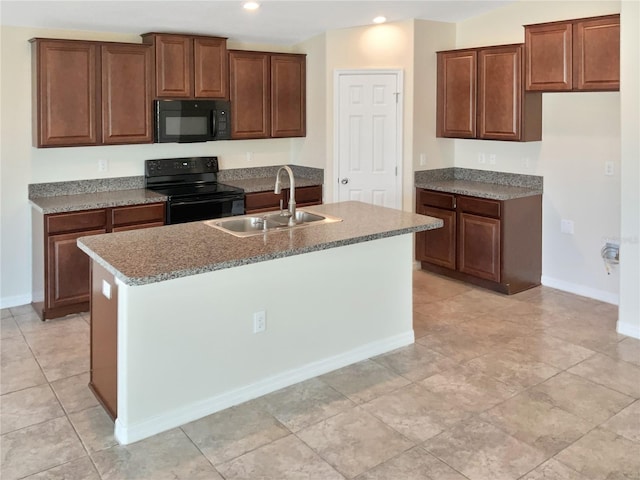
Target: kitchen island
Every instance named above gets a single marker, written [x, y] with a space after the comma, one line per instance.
[173, 310]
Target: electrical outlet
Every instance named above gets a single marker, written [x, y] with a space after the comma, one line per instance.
[103, 165]
[566, 226]
[249, 156]
[481, 158]
[608, 168]
[492, 159]
[423, 159]
[259, 321]
[106, 289]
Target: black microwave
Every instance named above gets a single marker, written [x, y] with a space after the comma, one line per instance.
[184, 121]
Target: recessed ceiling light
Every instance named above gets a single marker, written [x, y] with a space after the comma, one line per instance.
[251, 5]
[380, 19]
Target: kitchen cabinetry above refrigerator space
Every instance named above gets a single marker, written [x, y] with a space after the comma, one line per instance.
[480, 94]
[573, 55]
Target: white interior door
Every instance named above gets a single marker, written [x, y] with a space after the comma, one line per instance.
[368, 137]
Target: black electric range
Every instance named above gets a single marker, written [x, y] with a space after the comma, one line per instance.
[192, 189]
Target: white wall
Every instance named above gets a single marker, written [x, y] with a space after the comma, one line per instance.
[21, 164]
[629, 312]
[388, 46]
[430, 37]
[313, 147]
[305, 335]
[580, 132]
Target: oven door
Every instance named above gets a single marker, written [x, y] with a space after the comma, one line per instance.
[194, 209]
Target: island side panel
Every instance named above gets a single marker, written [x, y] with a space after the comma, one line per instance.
[104, 333]
[187, 347]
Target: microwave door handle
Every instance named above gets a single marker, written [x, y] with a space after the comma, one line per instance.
[214, 125]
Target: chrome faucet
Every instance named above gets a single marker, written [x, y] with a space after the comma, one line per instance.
[292, 193]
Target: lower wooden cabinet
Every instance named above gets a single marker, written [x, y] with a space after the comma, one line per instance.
[67, 285]
[258, 202]
[60, 269]
[104, 340]
[491, 243]
[479, 246]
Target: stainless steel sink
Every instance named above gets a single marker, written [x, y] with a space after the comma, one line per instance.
[250, 225]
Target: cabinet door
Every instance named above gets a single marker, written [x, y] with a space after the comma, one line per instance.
[66, 96]
[500, 93]
[126, 94]
[596, 54]
[288, 95]
[262, 202]
[249, 90]
[549, 53]
[479, 246]
[210, 68]
[67, 270]
[174, 66]
[438, 246]
[456, 99]
[305, 196]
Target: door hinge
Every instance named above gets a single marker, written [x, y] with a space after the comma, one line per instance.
[397, 94]
[396, 171]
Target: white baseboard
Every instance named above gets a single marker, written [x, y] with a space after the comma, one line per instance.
[581, 290]
[126, 434]
[15, 301]
[628, 329]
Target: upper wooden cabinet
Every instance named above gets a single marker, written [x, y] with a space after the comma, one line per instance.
[288, 95]
[580, 55]
[481, 95]
[65, 93]
[90, 93]
[456, 102]
[249, 88]
[268, 94]
[188, 66]
[126, 94]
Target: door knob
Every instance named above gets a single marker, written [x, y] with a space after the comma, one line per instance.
[344, 181]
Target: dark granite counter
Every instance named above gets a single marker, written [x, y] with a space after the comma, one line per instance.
[479, 183]
[90, 201]
[139, 257]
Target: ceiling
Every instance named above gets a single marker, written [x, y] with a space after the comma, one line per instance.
[275, 22]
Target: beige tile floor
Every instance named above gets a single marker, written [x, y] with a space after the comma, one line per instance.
[534, 386]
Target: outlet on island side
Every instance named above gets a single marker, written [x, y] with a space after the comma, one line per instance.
[259, 321]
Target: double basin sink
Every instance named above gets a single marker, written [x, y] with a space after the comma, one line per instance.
[257, 224]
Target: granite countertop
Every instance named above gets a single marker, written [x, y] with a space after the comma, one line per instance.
[479, 189]
[252, 185]
[139, 257]
[76, 195]
[479, 183]
[89, 201]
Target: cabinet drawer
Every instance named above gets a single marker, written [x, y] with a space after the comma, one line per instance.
[261, 200]
[479, 206]
[72, 222]
[305, 196]
[151, 213]
[436, 199]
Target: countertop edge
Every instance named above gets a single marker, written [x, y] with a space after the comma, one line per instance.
[93, 206]
[437, 223]
[492, 195]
